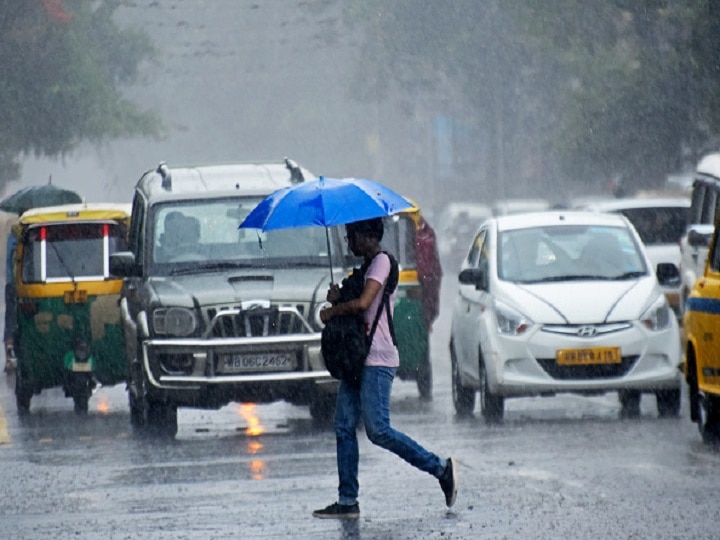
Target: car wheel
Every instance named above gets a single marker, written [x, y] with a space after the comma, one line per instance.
[162, 418]
[709, 421]
[322, 409]
[424, 380]
[491, 405]
[629, 403]
[137, 394]
[463, 397]
[668, 403]
[693, 391]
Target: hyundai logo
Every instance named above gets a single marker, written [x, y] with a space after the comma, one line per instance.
[586, 331]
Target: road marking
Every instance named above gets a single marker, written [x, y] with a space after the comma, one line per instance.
[4, 435]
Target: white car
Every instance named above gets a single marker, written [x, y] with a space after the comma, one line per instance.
[562, 301]
[660, 222]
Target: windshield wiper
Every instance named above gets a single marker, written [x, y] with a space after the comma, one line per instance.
[219, 266]
[629, 275]
[572, 277]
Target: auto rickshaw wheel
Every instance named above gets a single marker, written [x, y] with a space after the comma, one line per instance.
[424, 379]
[23, 393]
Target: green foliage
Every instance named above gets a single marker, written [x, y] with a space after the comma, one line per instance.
[65, 63]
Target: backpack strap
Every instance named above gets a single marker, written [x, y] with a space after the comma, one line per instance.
[388, 289]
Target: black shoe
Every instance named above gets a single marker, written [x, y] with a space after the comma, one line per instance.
[448, 482]
[339, 511]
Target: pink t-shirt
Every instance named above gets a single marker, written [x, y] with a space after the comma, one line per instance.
[382, 351]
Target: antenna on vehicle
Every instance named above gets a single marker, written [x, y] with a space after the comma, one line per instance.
[296, 175]
[164, 171]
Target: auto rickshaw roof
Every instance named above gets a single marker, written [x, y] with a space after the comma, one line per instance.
[76, 212]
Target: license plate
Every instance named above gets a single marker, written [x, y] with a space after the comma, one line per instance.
[595, 355]
[235, 363]
[79, 296]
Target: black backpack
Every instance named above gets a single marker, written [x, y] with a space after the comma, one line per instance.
[344, 344]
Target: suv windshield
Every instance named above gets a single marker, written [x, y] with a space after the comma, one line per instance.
[204, 234]
[564, 253]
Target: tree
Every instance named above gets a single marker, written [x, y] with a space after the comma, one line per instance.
[585, 90]
[65, 63]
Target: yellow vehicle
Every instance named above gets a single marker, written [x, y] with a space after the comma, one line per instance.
[411, 239]
[67, 332]
[701, 343]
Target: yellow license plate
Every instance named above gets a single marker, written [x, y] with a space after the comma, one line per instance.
[76, 297]
[594, 355]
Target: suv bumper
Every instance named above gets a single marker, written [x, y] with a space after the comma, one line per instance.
[175, 364]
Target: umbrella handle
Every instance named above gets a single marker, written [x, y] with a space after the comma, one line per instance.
[327, 239]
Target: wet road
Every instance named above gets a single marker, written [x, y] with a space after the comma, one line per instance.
[563, 467]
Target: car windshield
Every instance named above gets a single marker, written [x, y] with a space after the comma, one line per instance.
[204, 234]
[659, 225]
[70, 251]
[568, 252]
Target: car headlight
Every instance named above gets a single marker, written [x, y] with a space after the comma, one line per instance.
[174, 321]
[509, 320]
[657, 316]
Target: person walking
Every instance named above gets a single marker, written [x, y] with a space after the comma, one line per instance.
[371, 401]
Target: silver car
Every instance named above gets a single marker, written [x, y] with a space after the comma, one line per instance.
[213, 314]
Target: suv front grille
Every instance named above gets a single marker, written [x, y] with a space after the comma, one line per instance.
[256, 322]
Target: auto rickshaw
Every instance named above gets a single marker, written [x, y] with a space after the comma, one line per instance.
[412, 240]
[67, 331]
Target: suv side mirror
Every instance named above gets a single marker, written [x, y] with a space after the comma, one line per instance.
[122, 264]
[474, 276]
[668, 274]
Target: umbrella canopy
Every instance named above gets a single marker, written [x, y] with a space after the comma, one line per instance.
[325, 202]
[37, 197]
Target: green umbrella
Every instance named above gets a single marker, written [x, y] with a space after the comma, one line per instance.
[37, 197]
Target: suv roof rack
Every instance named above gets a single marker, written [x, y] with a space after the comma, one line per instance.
[296, 175]
[164, 171]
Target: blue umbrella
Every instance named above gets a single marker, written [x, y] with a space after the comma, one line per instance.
[325, 202]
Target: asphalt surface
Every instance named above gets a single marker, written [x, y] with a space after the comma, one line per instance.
[564, 467]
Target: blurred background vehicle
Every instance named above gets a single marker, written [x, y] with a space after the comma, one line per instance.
[456, 226]
[703, 215]
[412, 240]
[67, 330]
[660, 222]
[506, 207]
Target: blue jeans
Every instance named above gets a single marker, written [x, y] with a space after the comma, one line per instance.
[371, 402]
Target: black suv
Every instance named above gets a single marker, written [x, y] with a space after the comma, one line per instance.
[213, 314]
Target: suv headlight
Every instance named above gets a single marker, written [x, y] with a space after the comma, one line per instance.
[174, 321]
[657, 316]
[510, 321]
[317, 323]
